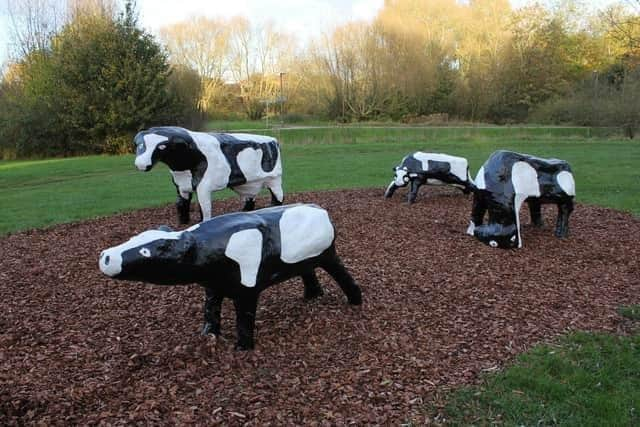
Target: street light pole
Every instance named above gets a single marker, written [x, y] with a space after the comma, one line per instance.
[281, 99]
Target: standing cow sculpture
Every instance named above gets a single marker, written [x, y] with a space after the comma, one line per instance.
[429, 168]
[236, 256]
[207, 162]
[508, 179]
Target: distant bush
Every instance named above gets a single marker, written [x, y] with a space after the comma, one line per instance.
[598, 102]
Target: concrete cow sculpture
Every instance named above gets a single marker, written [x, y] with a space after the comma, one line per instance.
[508, 179]
[236, 256]
[207, 162]
[430, 168]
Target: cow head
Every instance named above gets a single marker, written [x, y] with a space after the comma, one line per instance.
[163, 143]
[155, 256]
[401, 176]
[497, 235]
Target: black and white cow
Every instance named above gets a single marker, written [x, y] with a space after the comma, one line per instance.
[430, 168]
[508, 179]
[207, 162]
[236, 256]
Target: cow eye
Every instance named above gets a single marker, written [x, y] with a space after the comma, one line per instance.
[161, 147]
[493, 244]
[145, 252]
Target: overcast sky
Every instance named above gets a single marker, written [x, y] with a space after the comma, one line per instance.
[305, 18]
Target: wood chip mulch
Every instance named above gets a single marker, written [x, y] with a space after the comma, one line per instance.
[439, 309]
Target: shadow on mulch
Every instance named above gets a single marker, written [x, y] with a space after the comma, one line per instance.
[439, 308]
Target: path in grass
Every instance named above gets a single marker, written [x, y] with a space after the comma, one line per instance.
[41, 193]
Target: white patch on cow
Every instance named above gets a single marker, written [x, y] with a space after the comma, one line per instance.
[480, 184]
[566, 182]
[216, 176]
[493, 244]
[111, 259]
[250, 163]
[305, 232]
[151, 141]
[193, 227]
[525, 184]
[471, 228]
[245, 248]
[260, 139]
[401, 178]
[183, 180]
[458, 165]
[275, 185]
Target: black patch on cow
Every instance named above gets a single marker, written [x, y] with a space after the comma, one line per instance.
[412, 164]
[232, 146]
[437, 168]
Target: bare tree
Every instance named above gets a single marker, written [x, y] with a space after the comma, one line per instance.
[32, 23]
[258, 55]
[202, 44]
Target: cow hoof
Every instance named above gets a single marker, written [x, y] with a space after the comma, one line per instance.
[210, 329]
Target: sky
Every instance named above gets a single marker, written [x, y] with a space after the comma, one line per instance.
[305, 18]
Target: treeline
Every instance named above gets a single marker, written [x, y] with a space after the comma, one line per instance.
[97, 78]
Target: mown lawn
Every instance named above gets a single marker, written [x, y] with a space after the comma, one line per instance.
[583, 380]
[42, 193]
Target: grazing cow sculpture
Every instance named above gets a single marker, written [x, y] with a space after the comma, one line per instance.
[430, 168]
[236, 256]
[207, 162]
[508, 179]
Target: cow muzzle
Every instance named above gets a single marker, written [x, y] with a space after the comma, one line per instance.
[110, 263]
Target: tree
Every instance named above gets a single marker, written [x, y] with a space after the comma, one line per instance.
[101, 79]
[204, 45]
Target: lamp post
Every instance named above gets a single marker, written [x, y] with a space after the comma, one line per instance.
[281, 99]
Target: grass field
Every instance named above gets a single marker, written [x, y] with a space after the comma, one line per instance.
[584, 380]
[42, 193]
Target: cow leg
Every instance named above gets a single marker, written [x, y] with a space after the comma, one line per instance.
[390, 190]
[336, 269]
[204, 198]
[249, 204]
[246, 306]
[312, 288]
[183, 205]
[212, 310]
[535, 212]
[562, 224]
[413, 192]
[275, 188]
[478, 210]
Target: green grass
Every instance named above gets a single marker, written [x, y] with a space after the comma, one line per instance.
[584, 380]
[41, 193]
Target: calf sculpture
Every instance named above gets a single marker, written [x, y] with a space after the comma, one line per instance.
[508, 179]
[236, 256]
[207, 162]
[429, 168]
